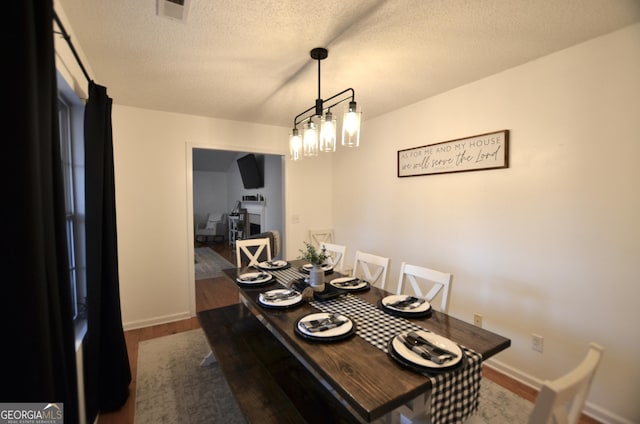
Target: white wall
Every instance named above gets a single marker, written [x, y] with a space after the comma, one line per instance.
[209, 194]
[551, 244]
[274, 193]
[309, 194]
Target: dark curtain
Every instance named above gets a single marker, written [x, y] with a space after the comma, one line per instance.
[38, 341]
[106, 363]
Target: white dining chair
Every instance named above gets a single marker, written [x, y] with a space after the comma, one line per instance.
[561, 401]
[337, 253]
[372, 268]
[252, 250]
[426, 283]
[319, 236]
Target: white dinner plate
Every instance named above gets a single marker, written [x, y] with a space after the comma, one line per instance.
[272, 264]
[254, 278]
[389, 300]
[336, 283]
[332, 332]
[280, 303]
[437, 340]
[325, 267]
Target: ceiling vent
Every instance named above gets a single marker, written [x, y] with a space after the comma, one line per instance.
[173, 9]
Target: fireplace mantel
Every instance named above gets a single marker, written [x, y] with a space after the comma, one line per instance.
[257, 208]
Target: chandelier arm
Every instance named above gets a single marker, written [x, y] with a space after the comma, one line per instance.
[338, 102]
[295, 120]
[353, 96]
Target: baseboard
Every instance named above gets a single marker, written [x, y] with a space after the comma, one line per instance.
[132, 325]
[591, 410]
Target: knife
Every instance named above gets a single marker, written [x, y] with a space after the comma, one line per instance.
[423, 352]
[415, 338]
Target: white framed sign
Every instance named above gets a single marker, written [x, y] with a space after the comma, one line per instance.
[478, 152]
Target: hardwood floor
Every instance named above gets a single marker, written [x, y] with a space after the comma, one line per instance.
[218, 292]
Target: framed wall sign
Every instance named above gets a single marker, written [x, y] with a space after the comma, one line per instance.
[484, 151]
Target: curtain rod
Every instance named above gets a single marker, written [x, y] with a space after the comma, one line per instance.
[73, 49]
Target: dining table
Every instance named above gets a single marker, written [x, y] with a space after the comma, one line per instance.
[362, 368]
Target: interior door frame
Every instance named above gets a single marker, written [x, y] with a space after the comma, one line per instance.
[189, 147]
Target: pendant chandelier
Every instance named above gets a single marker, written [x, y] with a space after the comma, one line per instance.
[323, 139]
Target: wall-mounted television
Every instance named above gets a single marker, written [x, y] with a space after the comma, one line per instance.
[251, 171]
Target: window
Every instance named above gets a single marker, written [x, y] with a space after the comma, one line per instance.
[71, 122]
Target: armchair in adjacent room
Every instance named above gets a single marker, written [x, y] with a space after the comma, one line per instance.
[215, 227]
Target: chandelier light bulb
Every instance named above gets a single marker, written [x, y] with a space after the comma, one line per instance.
[328, 125]
[351, 126]
[310, 140]
[295, 145]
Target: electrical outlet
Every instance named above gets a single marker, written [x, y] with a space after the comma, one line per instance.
[477, 320]
[537, 342]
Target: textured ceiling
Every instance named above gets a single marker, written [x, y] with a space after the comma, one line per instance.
[248, 60]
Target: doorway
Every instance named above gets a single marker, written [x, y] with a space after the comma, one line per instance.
[215, 185]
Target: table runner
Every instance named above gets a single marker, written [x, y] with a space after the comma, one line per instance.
[287, 275]
[454, 395]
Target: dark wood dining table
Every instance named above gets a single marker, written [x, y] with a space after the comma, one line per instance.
[366, 380]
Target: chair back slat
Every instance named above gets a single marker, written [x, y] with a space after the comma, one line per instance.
[252, 250]
[336, 254]
[422, 279]
[374, 268]
[319, 236]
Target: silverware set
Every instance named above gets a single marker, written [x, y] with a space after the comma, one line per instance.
[427, 350]
[260, 276]
[317, 325]
[283, 295]
[349, 283]
[410, 302]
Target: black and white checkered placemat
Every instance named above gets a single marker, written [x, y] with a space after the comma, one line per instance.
[454, 395]
[372, 324]
[285, 276]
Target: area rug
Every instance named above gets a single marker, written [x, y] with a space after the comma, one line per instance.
[172, 386]
[500, 406]
[209, 264]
